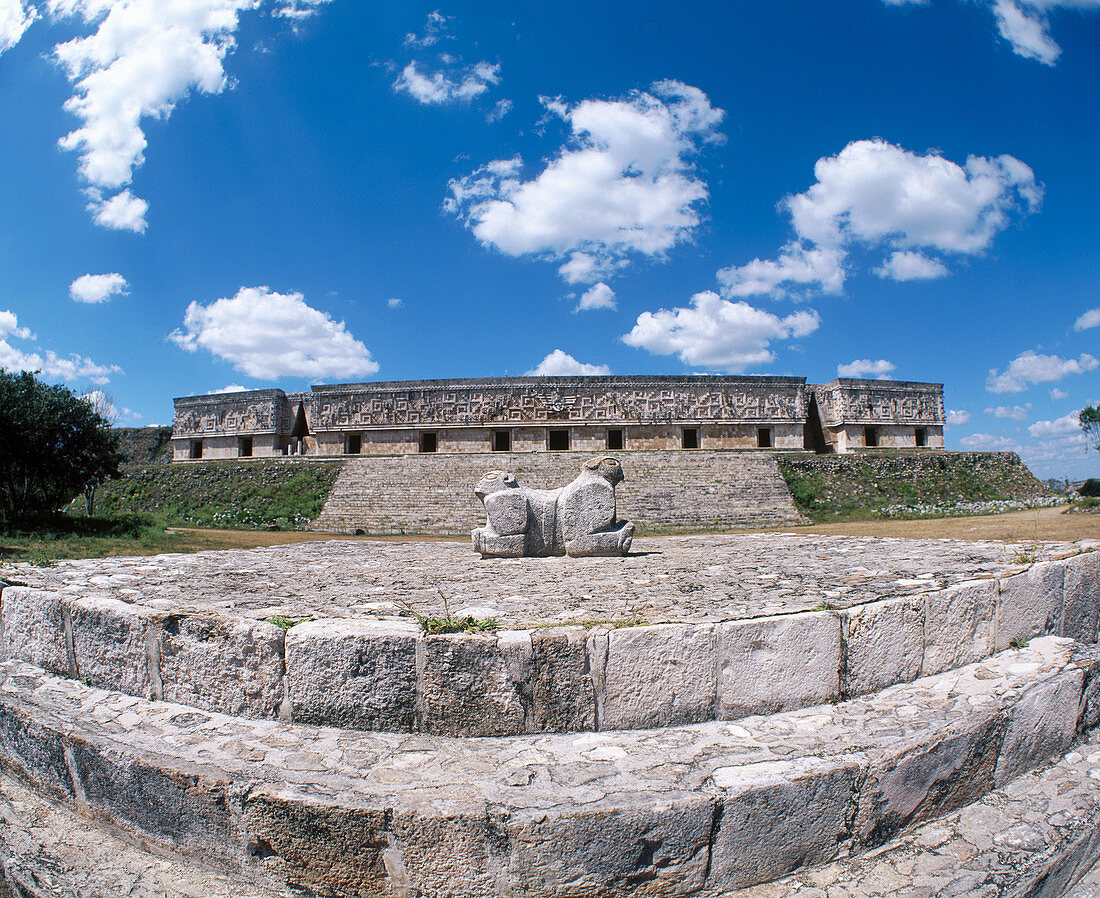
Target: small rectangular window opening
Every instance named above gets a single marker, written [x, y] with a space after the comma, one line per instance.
[870, 437]
[196, 449]
[354, 444]
[614, 439]
[690, 438]
[429, 442]
[921, 436]
[764, 438]
[244, 448]
[502, 441]
[558, 441]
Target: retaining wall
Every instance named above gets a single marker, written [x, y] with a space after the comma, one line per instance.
[387, 675]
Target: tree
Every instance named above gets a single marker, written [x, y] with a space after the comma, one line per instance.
[1090, 424]
[53, 445]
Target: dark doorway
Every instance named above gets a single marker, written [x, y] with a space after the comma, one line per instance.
[429, 442]
[502, 441]
[355, 444]
[690, 438]
[614, 440]
[558, 441]
[196, 449]
[870, 437]
[244, 448]
[299, 431]
[764, 437]
[921, 436]
[813, 436]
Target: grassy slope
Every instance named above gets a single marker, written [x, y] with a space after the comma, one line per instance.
[870, 485]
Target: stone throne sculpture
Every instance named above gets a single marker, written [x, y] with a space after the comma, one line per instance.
[576, 520]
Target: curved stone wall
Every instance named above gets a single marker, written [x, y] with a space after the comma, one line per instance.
[388, 675]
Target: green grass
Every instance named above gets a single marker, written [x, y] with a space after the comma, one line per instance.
[285, 623]
[435, 626]
[44, 541]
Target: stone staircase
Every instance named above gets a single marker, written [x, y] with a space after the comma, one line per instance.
[434, 493]
[966, 761]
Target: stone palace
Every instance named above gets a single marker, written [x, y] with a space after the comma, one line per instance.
[534, 414]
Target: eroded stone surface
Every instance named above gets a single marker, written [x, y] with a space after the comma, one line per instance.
[33, 628]
[778, 663]
[958, 625]
[111, 645]
[884, 644]
[1030, 604]
[447, 815]
[1081, 588]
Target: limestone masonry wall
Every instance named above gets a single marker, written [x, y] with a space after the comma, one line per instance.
[434, 494]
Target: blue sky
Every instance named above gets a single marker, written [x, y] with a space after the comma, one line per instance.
[212, 194]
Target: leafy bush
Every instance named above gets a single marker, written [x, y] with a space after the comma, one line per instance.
[1090, 487]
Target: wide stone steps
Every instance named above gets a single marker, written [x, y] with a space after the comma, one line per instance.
[709, 807]
[434, 493]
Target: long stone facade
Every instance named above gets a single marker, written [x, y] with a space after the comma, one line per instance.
[532, 414]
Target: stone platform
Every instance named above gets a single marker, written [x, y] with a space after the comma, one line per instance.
[683, 630]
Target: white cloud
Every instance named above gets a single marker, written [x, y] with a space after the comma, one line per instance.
[599, 296]
[717, 333]
[52, 365]
[624, 185]
[561, 364]
[435, 30]
[1014, 413]
[98, 287]
[1091, 318]
[1056, 394]
[458, 85]
[502, 108]
[866, 368]
[958, 417]
[907, 265]
[1032, 368]
[270, 335]
[231, 388]
[878, 196]
[1067, 425]
[135, 60]
[989, 442]
[395, 302]
[1024, 24]
[297, 10]
[15, 18]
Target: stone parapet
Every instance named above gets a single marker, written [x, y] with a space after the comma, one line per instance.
[380, 672]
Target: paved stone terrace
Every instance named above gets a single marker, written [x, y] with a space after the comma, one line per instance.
[683, 579]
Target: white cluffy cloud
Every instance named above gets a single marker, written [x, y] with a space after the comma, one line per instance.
[598, 296]
[1091, 318]
[1056, 394]
[15, 18]
[94, 288]
[1024, 24]
[135, 60]
[51, 364]
[958, 416]
[878, 196]
[717, 333]
[270, 335]
[1067, 425]
[435, 30]
[624, 185]
[1032, 368]
[866, 368]
[561, 364]
[1014, 412]
[459, 85]
[232, 388]
[989, 442]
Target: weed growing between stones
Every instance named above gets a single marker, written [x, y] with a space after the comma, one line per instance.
[435, 625]
[1017, 643]
[1029, 555]
[285, 623]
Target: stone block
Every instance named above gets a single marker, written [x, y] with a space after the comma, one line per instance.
[466, 687]
[928, 779]
[663, 675]
[958, 625]
[457, 853]
[34, 628]
[111, 641]
[1043, 724]
[562, 697]
[780, 815]
[781, 663]
[884, 644]
[355, 674]
[225, 664]
[658, 849]
[35, 752]
[281, 838]
[1029, 604]
[1081, 591]
[187, 812]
